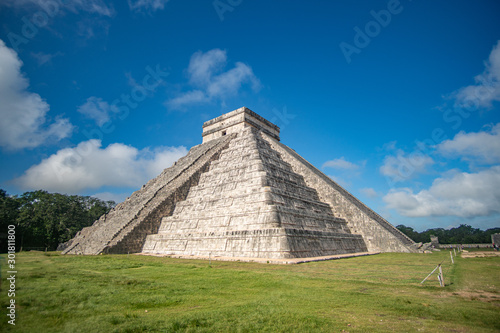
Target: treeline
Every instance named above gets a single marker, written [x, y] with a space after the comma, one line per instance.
[43, 220]
[464, 234]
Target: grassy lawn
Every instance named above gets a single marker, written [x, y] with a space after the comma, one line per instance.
[120, 293]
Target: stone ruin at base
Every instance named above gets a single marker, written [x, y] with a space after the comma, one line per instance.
[241, 193]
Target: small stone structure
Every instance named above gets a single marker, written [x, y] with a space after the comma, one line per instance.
[241, 193]
[434, 241]
[495, 239]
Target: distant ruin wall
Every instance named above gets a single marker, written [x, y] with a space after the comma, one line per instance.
[379, 235]
[466, 246]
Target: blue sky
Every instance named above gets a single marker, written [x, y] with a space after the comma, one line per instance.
[398, 101]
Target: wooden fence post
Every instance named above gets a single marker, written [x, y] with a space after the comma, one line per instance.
[430, 274]
[440, 276]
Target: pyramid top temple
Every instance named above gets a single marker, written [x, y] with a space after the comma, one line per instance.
[241, 194]
[235, 121]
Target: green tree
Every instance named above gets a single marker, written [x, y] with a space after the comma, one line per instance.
[410, 232]
[8, 210]
[464, 234]
[45, 219]
[8, 215]
[488, 233]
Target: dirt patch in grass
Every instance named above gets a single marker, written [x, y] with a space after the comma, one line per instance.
[483, 296]
[480, 254]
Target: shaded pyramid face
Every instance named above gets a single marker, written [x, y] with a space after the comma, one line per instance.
[241, 193]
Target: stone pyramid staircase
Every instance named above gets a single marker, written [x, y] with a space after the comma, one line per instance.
[252, 204]
[126, 226]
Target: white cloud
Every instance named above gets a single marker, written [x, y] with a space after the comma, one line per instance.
[57, 7]
[487, 87]
[202, 66]
[228, 83]
[458, 194]
[97, 109]
[480, 147]
[43, 58]
[191, 97]
[369, 192]
[389, 146]
[402, 166]
[146, 5]
[23, 124]
[91, 6]
[340, 163]
[206, 74]
[90, 27]
[90, 22]
[89, 166]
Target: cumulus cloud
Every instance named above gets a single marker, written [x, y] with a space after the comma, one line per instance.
[478, 147]
[23, 114]
[487, 87]
[98, 110]
[202, 66]
[369, 192]
[457, 194]
[402, 166]
[340, 163]
[146, 5]
[89, 166]
[210, 82]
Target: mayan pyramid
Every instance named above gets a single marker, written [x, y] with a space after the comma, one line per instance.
[241, 193]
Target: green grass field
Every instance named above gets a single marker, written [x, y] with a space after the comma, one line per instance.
[381, 293]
